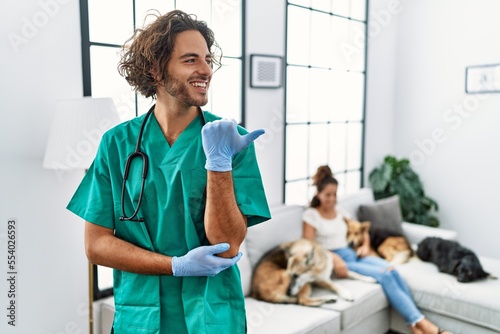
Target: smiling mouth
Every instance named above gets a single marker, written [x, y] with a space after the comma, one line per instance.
[199, 84]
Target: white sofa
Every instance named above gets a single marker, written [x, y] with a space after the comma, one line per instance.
[458, 307]
[472, 308]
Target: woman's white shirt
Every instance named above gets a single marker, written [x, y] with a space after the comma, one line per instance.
[330, 233]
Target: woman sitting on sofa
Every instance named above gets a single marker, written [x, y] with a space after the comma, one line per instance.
[323, 222]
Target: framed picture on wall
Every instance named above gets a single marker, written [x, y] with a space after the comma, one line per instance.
[265, 71]
[482, 79]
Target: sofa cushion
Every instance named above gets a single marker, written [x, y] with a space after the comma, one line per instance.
[416, 233]
[351, 202]
[384, 213]
[285, 225]
[369, 298]
[245, 270]
[264, 318]
[476, 302]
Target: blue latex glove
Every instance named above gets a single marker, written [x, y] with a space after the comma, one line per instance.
[221, 141]
[201, 261]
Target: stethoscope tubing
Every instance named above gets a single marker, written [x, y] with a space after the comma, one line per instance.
[145, 164]
[138, 153]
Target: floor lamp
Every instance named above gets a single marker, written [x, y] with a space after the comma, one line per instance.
[74, 137]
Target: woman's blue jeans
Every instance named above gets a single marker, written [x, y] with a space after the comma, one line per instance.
[394, 286]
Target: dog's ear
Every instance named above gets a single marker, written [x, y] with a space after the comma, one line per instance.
[286, 245]
[346, 220]
[365, 226]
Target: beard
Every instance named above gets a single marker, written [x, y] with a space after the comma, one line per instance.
[180, 91]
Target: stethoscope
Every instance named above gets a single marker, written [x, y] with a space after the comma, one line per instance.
[139, 154]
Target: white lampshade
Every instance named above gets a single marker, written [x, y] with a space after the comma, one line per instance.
[76, 132]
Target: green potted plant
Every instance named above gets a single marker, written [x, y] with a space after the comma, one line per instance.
[397, 177]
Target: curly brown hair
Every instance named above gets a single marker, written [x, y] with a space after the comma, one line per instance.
[322, 178]
[151, 48]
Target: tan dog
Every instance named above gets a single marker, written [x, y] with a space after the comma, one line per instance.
[356, 234]
[286, 275]
[387, 244]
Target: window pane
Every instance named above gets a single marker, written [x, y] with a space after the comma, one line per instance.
[297, 192]
[353, 96]
[356, 93]
[298, 41]
[320, 100]
[321, 50]
[105, 29]
[338, 98]
[347, 96]
[227, 26]
[358, 9]
[296, 151]
[200, 8]
[353, 182]
[355, 55]
[337, 153]
[226, 90]
[341, 7]
[348, 38]
[323, 5]
[354, 145]
[106, 82]
[342, 49]
[145, 7]
[297, 96]
[318, 146]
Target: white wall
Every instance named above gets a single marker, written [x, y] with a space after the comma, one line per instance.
[265, 33]
[455, 153]
[40, 63]
[380, 83]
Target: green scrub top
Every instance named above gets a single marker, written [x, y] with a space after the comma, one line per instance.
[173, 209]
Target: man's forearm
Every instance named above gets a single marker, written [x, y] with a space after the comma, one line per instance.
[103, 248]
[224, 221]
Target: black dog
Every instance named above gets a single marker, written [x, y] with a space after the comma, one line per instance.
[451, 258]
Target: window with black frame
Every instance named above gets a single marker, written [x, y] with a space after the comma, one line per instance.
[325, 94]
[106, 26]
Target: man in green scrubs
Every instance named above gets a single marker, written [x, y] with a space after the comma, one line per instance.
[174, 262]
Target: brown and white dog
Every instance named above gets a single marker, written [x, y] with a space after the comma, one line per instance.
[286, 275]
[385, 243]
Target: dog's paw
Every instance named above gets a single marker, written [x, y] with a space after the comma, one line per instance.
[331, 300]
[346, 295]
